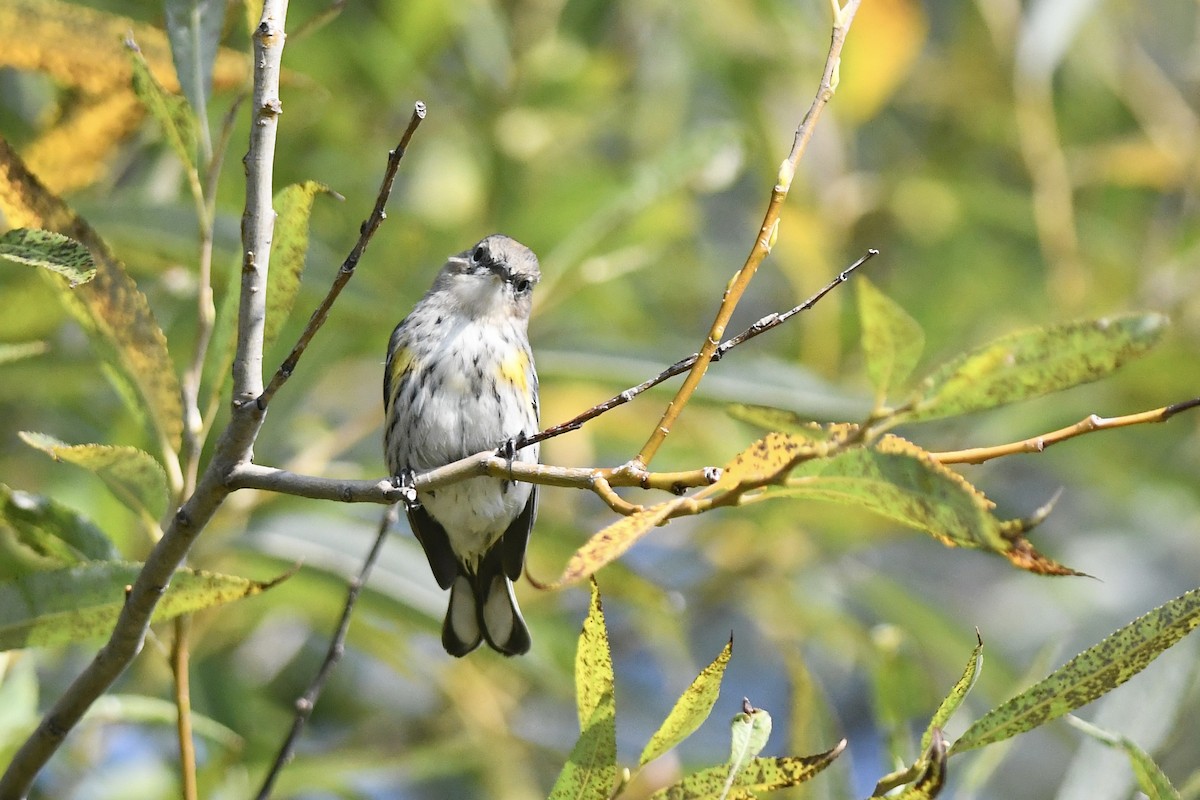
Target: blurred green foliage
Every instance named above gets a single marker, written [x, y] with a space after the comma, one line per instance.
[1015, 166]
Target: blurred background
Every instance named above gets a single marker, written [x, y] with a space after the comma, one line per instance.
[1016, 164]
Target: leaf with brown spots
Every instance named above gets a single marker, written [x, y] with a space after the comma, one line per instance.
[82, 602]
[901, 482]
[132, 475]
[593, 660]
[759, 775]
[773, 456]
[111, 309]
[591, 769]
[51, 251]
[610, 543]
[1035, 362]
[691, 709]
[1092, 674]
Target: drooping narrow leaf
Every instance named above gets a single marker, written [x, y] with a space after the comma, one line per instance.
[609, 544]
[1035, 362]
[289, 246]
[133, 476]
[901, 482]
[691, 709]
[1089, 675]
[758, 775]
[194, 30]
[171, 112]
[112, 311]
[77, 603]
[50, 250]
[892, 341]
[52, 530]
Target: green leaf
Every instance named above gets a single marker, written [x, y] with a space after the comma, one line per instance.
[772, 419]
[1035, 362]
[53, 532]
[758, 775]
[82, 602]
[691, 709]
[594, 677]
[50, 250]
[1089, 675]
[21, 350]
[591, 769]
[1150, 778]
[194, 30]
[131, 474]
[171, 112]
[749, 732]
[892, 340]
[901, 482]
[289, 246]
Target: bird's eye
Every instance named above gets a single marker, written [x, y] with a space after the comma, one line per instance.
[522, 286]
[478, 254]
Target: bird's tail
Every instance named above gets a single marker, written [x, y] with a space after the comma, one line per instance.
[483, 606]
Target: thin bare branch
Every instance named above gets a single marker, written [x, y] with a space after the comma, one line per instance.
[346, 272]
[684, 364]
[247, 475]
[843, 17]
[1089, 424]
[337, 646]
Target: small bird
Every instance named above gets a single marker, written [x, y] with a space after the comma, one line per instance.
[460, 380]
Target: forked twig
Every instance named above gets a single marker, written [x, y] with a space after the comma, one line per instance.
[337, 646]
[346, 271]
[684, 364]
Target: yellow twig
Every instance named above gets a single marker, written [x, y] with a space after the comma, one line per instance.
[183, 704]
[1036, 444]
[767, 233]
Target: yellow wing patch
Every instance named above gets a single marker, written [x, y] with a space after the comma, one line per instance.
[515, 370]
[401, 362]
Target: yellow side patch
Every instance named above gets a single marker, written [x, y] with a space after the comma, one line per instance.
[515, 370]
[401, 361]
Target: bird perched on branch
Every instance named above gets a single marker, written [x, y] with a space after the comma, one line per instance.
[460, 380]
